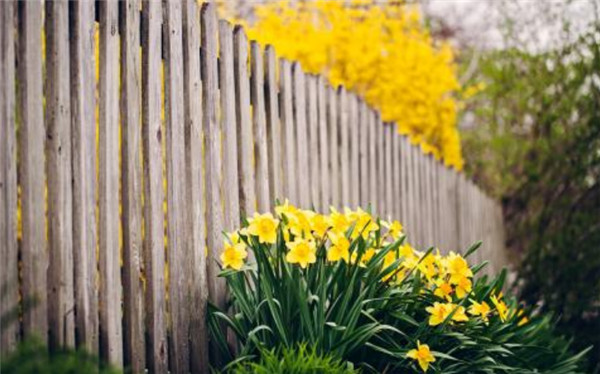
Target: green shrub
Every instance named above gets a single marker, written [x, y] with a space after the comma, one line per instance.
[349, 289]
[32, 357]
[299, 360]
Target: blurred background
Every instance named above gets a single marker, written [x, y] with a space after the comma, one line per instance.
[506, 90]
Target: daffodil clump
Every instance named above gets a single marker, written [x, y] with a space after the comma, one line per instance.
[380, 49]
[351, 286]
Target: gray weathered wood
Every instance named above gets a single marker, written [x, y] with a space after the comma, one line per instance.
[380, 146]
[301, 134]
[83, 125]
[195, 187]
[154, 250]
[389, 197]
[32, 178]
[325, 180]
[363, 134]
[261, 141]
[133, 302]
[212, 149]
[229, 127]
[354, 180]
[178, 241]
[344, 153]
[9, 279]
[313, 142]
[61, 324]
[289, 134]
[334, 146]
[396, 175]
[274, 134]
[245, 129]
[111, 339]
[372, 162]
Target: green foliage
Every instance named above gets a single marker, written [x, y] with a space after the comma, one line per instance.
[373, 312]
[32, 356]
[298, 360]
[536, 146]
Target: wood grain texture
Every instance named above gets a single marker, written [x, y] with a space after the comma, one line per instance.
[152, 138]
[289, 132]
[323, 127]
[245, 130]
[372, 160]
[363, 136]
[380, 134]
[9, 279]
[32, 177]
[61, 324]
[111, 335]
[229, 127]
[178, 250]
[334, 146]
[274, 133]
[212, 148]
[131, 176]
[354, 180]
[303, 171]
[344, 153]
[261, 139]
[389, 197]
[313, 142]
[396, 175]
[83, 125]
[195, 187]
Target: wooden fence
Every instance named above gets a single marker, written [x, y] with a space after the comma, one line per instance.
[187, 128]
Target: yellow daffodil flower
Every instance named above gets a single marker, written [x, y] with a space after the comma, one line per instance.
[340, 248]
[443, 290]
[500, 307]
[264, 226]
[233, 255]
[463, 287]
[480, 309]
[339, 222]
[422, 354]
[394, 229]
[439, 312]
[457, 267]
[302, 252]
[319, 225]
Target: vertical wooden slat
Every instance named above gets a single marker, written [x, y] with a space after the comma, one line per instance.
[301, 134]
[380, 133]
[389, 202]
[372, 164]
[244, 124]
[334, 146]
[363, 131]
[83, 125]
[415, 200]
[58, 150]
[177, 248]
[323, 145]
[32, 178]
[396, 180]
[229, 127]
[9, 279]
[133, 317]
[111, 340]
[154, 251]
[195, 187]
[313, 138]
[212, 148]
[344, 153]
[289, 133]
[274, 134]
[354, 180]
[261, 155]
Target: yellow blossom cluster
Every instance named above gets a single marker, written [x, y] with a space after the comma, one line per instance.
[303, 233]
[383, 52]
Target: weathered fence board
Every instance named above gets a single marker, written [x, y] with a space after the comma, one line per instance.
[9, 279]
[260, 149]
[241, 129]
[133, 317]
[245, 128]
[58, 153]
[152, 138]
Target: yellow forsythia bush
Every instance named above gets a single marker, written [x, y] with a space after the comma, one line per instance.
[381, 51]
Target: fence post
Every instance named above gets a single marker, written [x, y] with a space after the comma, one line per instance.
[325, 180]
[287, 122]
[274, 135]
[333, 106]
[299, 87]
[313, 142]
